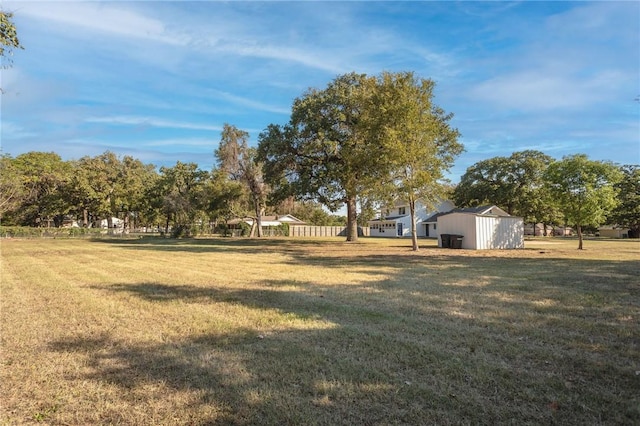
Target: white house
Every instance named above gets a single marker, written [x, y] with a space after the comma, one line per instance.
[485, 227]
[613, 231]
[115, 222]
[396, 221]
[268, 221]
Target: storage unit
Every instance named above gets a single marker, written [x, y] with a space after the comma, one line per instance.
[481, 231]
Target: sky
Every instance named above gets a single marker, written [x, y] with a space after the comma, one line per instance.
[157, 80]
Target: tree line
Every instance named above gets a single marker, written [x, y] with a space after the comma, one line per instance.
[360, 142]
[573, 191]
[39, 189]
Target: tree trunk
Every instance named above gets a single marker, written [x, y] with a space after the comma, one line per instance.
[579, 229]
[258, 221]
[352, 219]
[414, 227]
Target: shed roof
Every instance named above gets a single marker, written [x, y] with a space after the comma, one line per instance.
[478, 210]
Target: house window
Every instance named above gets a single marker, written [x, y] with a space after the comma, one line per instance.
[434, 226]
[401, 210]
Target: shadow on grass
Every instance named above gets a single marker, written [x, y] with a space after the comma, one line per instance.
[475, 340]
[213, 245]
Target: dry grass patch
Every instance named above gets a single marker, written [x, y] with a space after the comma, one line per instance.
[288, 331]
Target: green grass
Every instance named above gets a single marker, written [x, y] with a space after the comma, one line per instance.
[294, 331]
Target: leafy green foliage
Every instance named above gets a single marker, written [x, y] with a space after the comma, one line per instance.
[44, 179]
[182, 191]
[240, 163]
[627, 213]
[418, 143]
[8, 37]
[226, 198]
[324, 153]
[361, 138]
[584, 190]
[11, 188]
[514, 183]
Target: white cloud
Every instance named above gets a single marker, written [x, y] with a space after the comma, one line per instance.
[128, 120]
[544, 90]
[110, 18]
[12, 130]
[193, 142]
[239, 100]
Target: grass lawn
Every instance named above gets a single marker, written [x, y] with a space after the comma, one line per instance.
[301, 332]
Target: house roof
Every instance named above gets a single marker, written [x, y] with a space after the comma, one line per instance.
[269, 220]
[434, 217]
[291, 219]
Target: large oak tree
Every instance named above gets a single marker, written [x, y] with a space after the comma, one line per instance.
[514, 183]
[356, 139]
[324, 152]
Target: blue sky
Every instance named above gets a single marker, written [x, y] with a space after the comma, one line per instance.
[157, 80]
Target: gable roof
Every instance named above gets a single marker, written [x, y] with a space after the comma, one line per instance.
[482, 210]
[269, 220]
[434, 217]
[478, 210]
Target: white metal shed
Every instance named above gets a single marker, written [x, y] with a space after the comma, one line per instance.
[483, 231]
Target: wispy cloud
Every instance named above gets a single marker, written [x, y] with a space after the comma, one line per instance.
[190, 142]
[240, 100]
[155, 79]
[109, 18]
[544, 90]
[14, 131]
[128, 120]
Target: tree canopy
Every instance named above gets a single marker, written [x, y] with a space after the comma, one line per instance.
[627, 213]
[360, 137]
[418, 142]
[323, 153]
[8, 40]
[584, 190]
[240, 163]
[514, 183]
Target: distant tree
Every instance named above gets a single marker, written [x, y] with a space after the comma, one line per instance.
[132, 201]
[416, 140]
[584, 189]
[240, 162]
[44, 178]
[514, 183]
[11, 189]
[182, 188]
[627, 213]
[227, 198]
[98, 186]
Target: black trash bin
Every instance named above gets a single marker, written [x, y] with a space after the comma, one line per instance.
[446, 240]
[455, 241]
